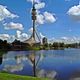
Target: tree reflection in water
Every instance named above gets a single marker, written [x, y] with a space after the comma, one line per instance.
[0, 60]
[1, 56]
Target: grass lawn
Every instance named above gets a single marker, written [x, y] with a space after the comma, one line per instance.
[6, 76]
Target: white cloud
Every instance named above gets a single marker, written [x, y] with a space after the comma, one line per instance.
[46, 17]
[18, 34]
[13, 25]
[64, 38]
[40, 5]
[24, 37]
[46, 74]
[21, 36]
[49, 17]
[40, 19]
[38, 12]
[31, 30]
[13, 68]
[42, 36]
[74, 12]
[4, 36]
[9, 38]
[73, 39]
[37, 1]
[12, 38]
[5, 13]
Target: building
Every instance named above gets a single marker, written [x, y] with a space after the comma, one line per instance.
[44, 41]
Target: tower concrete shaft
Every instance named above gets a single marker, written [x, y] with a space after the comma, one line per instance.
[34, 20]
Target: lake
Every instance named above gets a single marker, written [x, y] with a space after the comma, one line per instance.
[63, 62]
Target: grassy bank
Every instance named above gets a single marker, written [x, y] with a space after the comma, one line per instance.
[6, 76]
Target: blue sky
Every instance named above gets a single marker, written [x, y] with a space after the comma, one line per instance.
[66, 24]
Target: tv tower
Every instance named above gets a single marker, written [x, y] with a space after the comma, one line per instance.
[34, 37]
[34, 19]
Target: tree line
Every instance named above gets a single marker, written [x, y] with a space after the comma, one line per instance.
[18, 45]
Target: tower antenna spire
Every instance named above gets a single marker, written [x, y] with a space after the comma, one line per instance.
[33, 2]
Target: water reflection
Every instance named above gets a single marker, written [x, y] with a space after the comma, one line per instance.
[0, 60]
[47, 74]
[13, 68]
[16, 63]
[1, 56]
[50, 63]
[19, 58]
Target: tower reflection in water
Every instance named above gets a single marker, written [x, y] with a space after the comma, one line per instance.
[33, 58]
[14, 63]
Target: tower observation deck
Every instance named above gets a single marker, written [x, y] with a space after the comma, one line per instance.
[34, 38]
